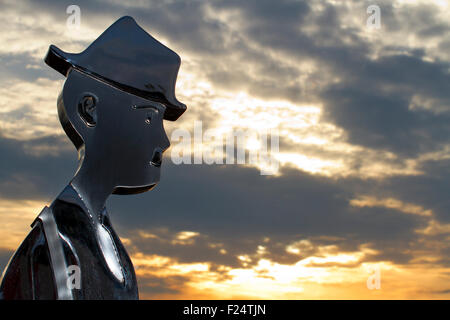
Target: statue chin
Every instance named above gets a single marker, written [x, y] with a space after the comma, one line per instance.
[133, 190]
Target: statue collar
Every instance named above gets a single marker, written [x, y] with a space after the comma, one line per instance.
[71, 195]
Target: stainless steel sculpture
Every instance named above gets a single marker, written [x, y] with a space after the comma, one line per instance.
[112, 106]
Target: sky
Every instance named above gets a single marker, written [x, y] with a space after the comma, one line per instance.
[363, 117]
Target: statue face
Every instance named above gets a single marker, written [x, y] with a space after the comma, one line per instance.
[122, 134]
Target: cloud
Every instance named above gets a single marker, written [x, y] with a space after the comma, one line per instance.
[375, 108]
[368, 201]
[5, 255]
[17, 217]
[363, 118]
[35, 169]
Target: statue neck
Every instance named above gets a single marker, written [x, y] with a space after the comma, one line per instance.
[93, 191]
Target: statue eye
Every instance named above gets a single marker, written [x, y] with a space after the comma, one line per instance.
[153, 111]
[150, 115]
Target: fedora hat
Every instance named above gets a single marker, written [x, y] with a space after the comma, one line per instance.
[130, 59]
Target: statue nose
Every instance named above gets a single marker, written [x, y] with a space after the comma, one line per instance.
[157, 157]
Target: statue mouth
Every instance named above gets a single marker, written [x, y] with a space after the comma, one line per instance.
[156, 158]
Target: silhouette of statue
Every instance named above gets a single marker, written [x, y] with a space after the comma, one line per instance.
[112, 106]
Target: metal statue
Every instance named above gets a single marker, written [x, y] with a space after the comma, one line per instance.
[112, 106]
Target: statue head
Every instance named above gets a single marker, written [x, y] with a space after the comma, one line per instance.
[113, 103]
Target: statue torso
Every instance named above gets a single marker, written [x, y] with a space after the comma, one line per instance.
[106, 271]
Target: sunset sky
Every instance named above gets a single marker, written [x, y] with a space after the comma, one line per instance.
[363, 117]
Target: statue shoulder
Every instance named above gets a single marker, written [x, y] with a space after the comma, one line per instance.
[29, 268]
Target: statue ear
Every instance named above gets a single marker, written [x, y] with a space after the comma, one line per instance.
[87, 109]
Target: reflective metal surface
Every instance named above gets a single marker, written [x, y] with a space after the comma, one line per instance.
[112, 106]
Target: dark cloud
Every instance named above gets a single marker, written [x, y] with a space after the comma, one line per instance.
[41, 175]
[5, 255]
[23, 67]
[229, 205]
[446, 291]
[238, 207]
[384, 121]
[160, 285]
[419, 20]
[430, 189]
